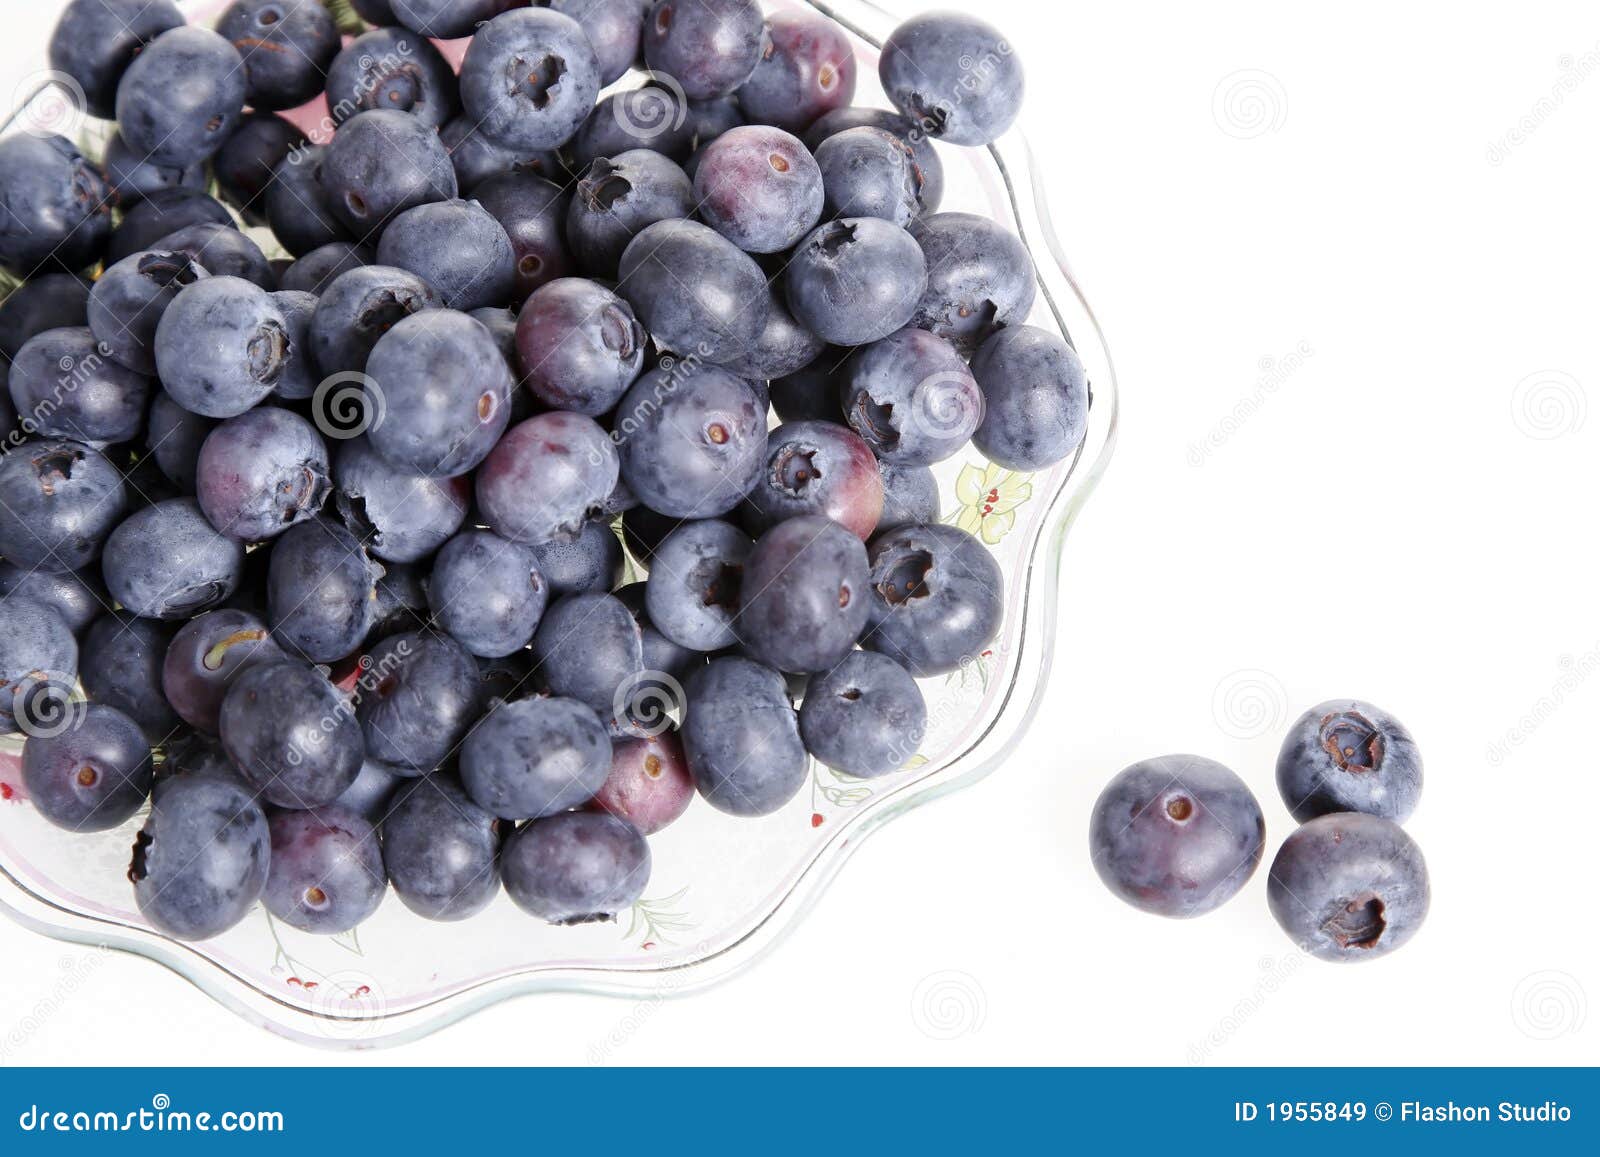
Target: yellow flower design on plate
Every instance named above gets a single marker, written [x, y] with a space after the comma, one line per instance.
[988, 497]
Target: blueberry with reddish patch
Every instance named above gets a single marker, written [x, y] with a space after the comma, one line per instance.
[804, 600]
[533, 212]
[326, 874]
[709, 47]
[649, 784]
[546, 478]
[92, 776]
[579, 345]
[817, 468]
[807, 68]
[1178, 835]
[1346, 755]
[260, 473]
[759, 187]
[1349, 887]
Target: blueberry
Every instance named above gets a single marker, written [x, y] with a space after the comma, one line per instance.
[446, 19]
[161, 214]
[817, 468]
[395, 70]
[326, 874]
[458, 248]
[869, 172]
[247, 160]
[260, 473]
[382, 163]
[533, 212]
[133, 176]
[55, 207]
[441, 850]
[644, 530]
[286, 45]
[476, 158]
[1036, 398]
[865, 717]
[856, 280]
[695, 291]
[174, 436]
[372, 794]
[653, 116]
[912, 398]
[1349, 756]
[813, 392]
[709, 47]
[53, 301]
[589, 647]
[695, 578]
[358, 309]
[649, 785]
[400, 602]
[759, 187]
[182, 97]
[298, 205]
[1178, 835]
[955, 75]
[807, 68]
[63, 387]
[92, 776]
[708, 119]
[930, 170]
[580, 346]
[206, 656]
[96, 40]
[691, 439]
[980, 278]
[59, 501]
[441, 391]
[222, 251]
[535, 757]
[1348, 886]
[910, 494]
[576, 868]
[804, 599]
[617, 199]
[200, 861]
[167, 562]
[376, 12]
[590, 562]
[38, 664]
[742, 738]
[321, 267]
[121, 668]
[783, 347]
[936, 598]
[221, 346]
[487, 593]
[417, 700]
[546, 477]
[291, 733]
[77, 596]
[128, 301]
[529, 78]
[660, 653]
[321, 589]
[613, 28]
[301, 375]
[398, 515]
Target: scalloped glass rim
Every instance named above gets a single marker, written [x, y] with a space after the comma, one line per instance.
[1009, 178]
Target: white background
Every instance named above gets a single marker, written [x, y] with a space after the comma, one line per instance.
[1406, 517]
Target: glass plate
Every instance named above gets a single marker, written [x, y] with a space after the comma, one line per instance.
[724, 890]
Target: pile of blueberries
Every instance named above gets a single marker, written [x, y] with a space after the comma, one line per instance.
[331, 541]
[1180, 835]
